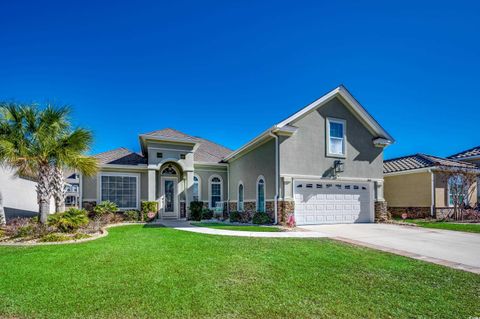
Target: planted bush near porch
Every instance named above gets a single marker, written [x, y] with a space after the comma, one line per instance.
[196, 209]
[261, 218]
[149, 210]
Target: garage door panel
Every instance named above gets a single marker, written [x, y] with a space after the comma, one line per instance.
[340, 202]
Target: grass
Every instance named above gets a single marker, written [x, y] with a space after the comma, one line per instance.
[465, 227]
[152, 272]
[239, 227]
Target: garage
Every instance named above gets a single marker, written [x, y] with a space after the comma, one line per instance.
[332, 202]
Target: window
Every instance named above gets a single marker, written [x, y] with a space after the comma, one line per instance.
[456, 191]
[120, 189]
[196, 189]
[159, 155]
[240, 198]
[260, 194]
[70, 200]
[215, 191]
[169, 170]
[182, 156]
[335, 137]
[74, 188]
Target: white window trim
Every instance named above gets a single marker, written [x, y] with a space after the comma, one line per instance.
[199, 186]
[99, 187]
[264, 193]
[210, 189]
[465, 199]
[238, 197]
[327, 143]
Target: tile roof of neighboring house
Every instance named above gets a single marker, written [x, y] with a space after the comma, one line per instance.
[417, 161]
[207, 151]
[474, 151]
[120, 156]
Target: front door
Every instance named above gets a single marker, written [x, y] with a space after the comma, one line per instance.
[169, 197]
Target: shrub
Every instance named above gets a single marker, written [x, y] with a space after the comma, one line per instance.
[196, 210]
[53, 237]
[105, 207]
[261, 218]
[149, 207]
[132, 215]
[69, 221]
[234, 217]
[24, 227]
[207, 213]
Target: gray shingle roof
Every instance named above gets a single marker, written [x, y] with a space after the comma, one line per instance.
[120, 156]
[207, 151]
[417, 161]
[474, 151]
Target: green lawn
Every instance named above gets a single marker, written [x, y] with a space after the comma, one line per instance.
[239, 227]
[472, 228]
[156, 272]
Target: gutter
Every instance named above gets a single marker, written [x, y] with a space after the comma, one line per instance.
[277, 171]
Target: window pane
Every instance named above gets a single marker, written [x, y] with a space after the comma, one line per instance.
[261, 196]
[336, 130]
[122, 190]
[336, 146]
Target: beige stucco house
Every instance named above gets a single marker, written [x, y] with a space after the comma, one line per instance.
[323, 164]
[419, 185]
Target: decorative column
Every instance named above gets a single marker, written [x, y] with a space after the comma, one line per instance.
[188, 191]
[152, 182]
[381, 207]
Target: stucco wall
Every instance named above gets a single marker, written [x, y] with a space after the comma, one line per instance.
[170, 152]
[408, 190]
[304, 153]
[260, 161]
[204, 174]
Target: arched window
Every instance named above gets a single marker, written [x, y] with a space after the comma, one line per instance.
[169, 170]
[196, 188]
[261, 194]
[240, 198]
[215, 191]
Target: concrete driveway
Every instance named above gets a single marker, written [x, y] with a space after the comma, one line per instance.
[449, 248]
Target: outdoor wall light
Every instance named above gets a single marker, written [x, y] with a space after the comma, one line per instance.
[338, 166]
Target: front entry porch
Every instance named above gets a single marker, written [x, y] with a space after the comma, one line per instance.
[170, 185]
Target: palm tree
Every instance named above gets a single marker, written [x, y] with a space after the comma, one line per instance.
[35, 142]
[3, 218]
[71, 148]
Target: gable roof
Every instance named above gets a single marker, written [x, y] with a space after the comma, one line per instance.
[207, 151]
[120, 156]
[473, 152]
[341, 91]
[418, 161]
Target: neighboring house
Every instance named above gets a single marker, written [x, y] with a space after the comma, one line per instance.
[323, 164]
[418, 185]
[472, 156]
[72, 190]
[19, 195]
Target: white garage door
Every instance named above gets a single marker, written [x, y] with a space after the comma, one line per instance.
[332, 202]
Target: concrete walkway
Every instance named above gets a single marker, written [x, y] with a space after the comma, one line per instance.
[186, 226]
[453, 249]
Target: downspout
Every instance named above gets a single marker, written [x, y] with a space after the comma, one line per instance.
[228, 190]
[275, 201]
[432, 181]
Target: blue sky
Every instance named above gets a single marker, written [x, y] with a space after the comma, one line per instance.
[228, 70]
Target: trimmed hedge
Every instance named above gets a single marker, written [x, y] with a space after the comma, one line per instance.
[261, 218]
[196, 210]
[148, 207]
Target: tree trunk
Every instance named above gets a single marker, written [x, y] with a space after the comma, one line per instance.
[3, 219]
[58, 189]
[44, 191]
